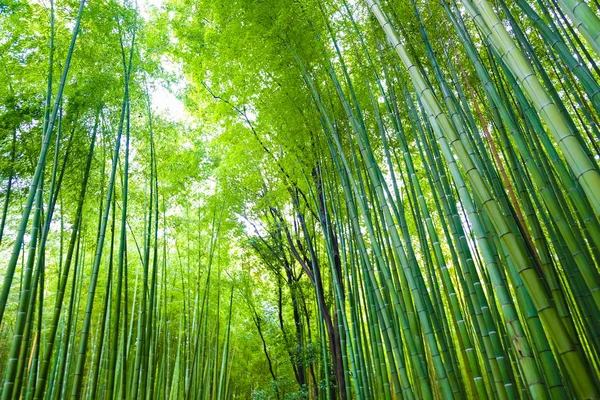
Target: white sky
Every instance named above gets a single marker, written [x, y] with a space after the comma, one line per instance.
[164, 102]
[167, 104]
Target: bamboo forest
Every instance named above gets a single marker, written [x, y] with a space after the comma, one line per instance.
[299, 199]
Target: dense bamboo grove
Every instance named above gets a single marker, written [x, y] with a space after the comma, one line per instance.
[362, 199]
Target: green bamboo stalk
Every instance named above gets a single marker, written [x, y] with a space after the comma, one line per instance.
[76, 391]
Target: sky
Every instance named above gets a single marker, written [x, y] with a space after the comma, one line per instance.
[163, 100]
[166, 103]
